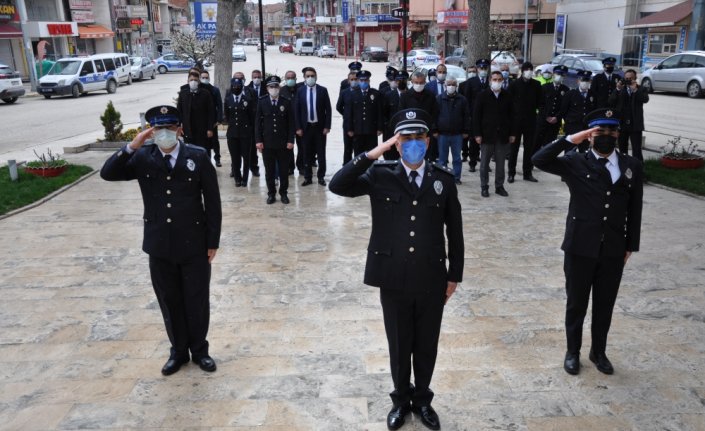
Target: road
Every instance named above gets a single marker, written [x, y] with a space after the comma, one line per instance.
[36, 123]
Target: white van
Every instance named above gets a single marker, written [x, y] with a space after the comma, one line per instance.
[79, 75]
[303, 47]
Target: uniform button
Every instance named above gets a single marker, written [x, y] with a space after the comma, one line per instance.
[588, 175]
[607, 205]
[168, 220]
[412, 233]
[411, 249]
[604, 218]
[147, 175]
[168, 192]
[168, 205]
[145, 220]
[376, 252]
[189, 179]
[415, 203]
[609, 193]
[168, 177]
[413, 218]
[387, 199]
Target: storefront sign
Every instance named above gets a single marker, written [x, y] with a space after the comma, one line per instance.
[81, 4]
[452, 17]
[123, 25]
[8, 11]
[83, 16]
[346, 11]
[59, 29]
[561, 26]
[137, 11]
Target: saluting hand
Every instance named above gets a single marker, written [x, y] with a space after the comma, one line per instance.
[579, 137]
[377, 151]
[138, 141]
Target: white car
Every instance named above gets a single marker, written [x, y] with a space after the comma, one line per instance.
[143, 67]
[501, 58]
[11, 87]
[416, 57]
[327, 51]
[453, 71]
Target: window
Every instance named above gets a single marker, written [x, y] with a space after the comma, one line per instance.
[671, 62]
[109, 64]
[699, 61]
[87, 68]
[663, 43]
[99, 66]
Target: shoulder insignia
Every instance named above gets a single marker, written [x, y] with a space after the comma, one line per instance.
[442, 168]
[386, 163]
[195, 147]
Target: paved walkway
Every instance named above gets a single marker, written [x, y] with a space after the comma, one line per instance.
[299, 339]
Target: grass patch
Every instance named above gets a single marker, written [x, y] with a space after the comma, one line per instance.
[31, 188]
[689, 180]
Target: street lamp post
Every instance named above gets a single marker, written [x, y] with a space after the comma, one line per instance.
[261, 36]
[526, 31]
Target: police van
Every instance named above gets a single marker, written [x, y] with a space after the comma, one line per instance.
[79, 75]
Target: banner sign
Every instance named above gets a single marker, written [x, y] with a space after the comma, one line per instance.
[205, 17]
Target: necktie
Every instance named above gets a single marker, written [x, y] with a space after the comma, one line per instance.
[274, 102]
[310, 105]
[412, 179]
[603, 162]
[167, 162]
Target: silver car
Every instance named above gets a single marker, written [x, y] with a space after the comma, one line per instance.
[327, 51]
[454, 71]
[501, 58]
[142, 67]
[11, 86]
[680, 73]
[239, 54]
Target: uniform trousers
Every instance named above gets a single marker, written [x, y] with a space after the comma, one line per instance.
[362, 143]
[545, 133]
[602, 275]
[347, 148]
[314, 144]
[500, 152]
[182, 290]
[272, 158]
[525, 136]
[215, 144]
[254, 160]
[466, 148]
[412, 321]
[240, 149]
[432, 153]
[635, 137]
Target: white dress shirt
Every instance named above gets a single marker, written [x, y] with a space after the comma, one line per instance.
[612, 164]
[421, 169]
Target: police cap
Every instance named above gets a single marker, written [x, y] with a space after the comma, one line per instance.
[483, 62]
[560, 70]
[355, 65]
[431, 72]
[609, 60]
[391, 72]
[410, 121]
[527, 66]
[272, 81]
[163, 115]
[364, 74]
[584, 75]
[603, 117]
[402, 76]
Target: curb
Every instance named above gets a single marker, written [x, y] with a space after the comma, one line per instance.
[48, 197]
[671, 189]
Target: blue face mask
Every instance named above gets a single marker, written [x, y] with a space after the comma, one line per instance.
[354, 84]
[364, 85]
[413, 151]
[505, 74]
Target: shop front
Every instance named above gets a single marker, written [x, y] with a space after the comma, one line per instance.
[11, 51]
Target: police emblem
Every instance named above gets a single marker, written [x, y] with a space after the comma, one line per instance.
[608, 114]
[591, 99]
[628, 173]
[190, 165]
[562, 93]
[244, 103]
[164, 110]
[372, 97]
[438, 187]
[281, 108]
[411, 115]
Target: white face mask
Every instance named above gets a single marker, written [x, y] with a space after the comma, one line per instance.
[311, 81]
[394, 85]
[274, 92]
[257, 81]
[193, 85]
[546, 75]
[483, 74]
[442, 76]
[584, 86]
[496, 86]
[527, 74]
[205, 81]
[165, 138]
[419, 87]
[557, 79]
[451, 89]
[432, 78]
[471, 75]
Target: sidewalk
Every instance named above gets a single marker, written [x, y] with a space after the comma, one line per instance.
[299, 340]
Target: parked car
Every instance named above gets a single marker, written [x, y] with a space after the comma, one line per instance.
[454, 71]
[681, 73]
[374, 53]
[421, 56]
[303, 47]
[259, 46]
[500, 58]
[238, 42]
[239, 53]
[576, 63]
[327, 51]
[286, 47]
[458, 58]
[143, 67]
[11, 87]
[174, 63]
[79, 75]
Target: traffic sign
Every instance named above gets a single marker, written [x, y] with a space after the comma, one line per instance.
[400, 12]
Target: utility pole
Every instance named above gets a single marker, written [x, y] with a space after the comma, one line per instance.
[526, 31]
[261, 37]
[696, 38]
[28, 51]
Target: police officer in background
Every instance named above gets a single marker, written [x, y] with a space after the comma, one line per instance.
[576, 105]
[391, 107]
[605, 83]
[218, 102]
[391, 74]
[526, 93]
[545, 77]
[181, 229]
[471, 88]
[240, 117]
[407, 255]
[197, 111]
[353, 67]
[341, 105]
[548, 121]
[364, 121]
[254, 160]
[629, 99]
[289, 90]
[602, 229]
[274, 137]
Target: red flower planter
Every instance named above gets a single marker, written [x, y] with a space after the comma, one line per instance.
[682, 163]
[46, 172]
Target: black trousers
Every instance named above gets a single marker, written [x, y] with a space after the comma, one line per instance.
[545, 133]
[273, 157]
[254, 162]
[362, 143]
[297, 163]
[465, 150]
[240, 149]
[183, 290]
[473, 152]
[583, 274]
[412, 322]
[636, 138]
[314, 144]
[347, 148]
[432, 153]
[525, 136]
[215, 144]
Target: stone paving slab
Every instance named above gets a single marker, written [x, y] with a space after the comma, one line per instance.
[299, 340]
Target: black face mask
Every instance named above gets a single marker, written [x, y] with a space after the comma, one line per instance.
[604, 144]
[236, 90]
[402, 85]
[609, 69]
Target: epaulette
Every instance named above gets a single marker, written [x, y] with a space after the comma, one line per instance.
[195, 147]
[386, 163]
[442, 168]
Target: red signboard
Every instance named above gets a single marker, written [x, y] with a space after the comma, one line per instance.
[59, 29]
[136, 21]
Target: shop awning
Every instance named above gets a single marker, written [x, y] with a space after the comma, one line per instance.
[8, 31]
[94, 31]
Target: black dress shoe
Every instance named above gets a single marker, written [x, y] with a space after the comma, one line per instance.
[571, 364]
[603, 364]
[291, 172]
[485, 193]
[307, 183]
[472, 168]
[428, 416]
[500, 191]
[271, 199]
[510, 179]
[238, 183]
[255, 173]
[206, 363]
[458, 182]
[396, 417]
[321, 181]
[530, 178]
[217, 164]
[285, 199]
[173, 365]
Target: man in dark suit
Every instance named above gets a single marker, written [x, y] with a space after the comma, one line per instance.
[218, 102]
[471, 89]
[602, 228]
[576, 105]
[391, 107]
[256, 86]
[274, 137]
[420, 97]
[341, 105]
[312, 112]
[197, 112]
[629, 99]
[353, 67]
[526, 92]
[289, 90]
[437, 86]
[240, 117]
[364, 121]
[605, 83]
[494, 128]
[413, 201]
[182, 220]
[548, 122]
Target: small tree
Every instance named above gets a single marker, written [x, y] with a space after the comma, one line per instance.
[244, 19]
[503, 37]
[111, 122]
[186, 42]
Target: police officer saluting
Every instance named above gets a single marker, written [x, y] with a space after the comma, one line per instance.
[182, 219]
[413, 201]
[602, 228]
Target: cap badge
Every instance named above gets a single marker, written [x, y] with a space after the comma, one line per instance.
[438, 187]
[164, 110]
[628, 173]
[608, 114]
[411, 115]
[190, 165]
